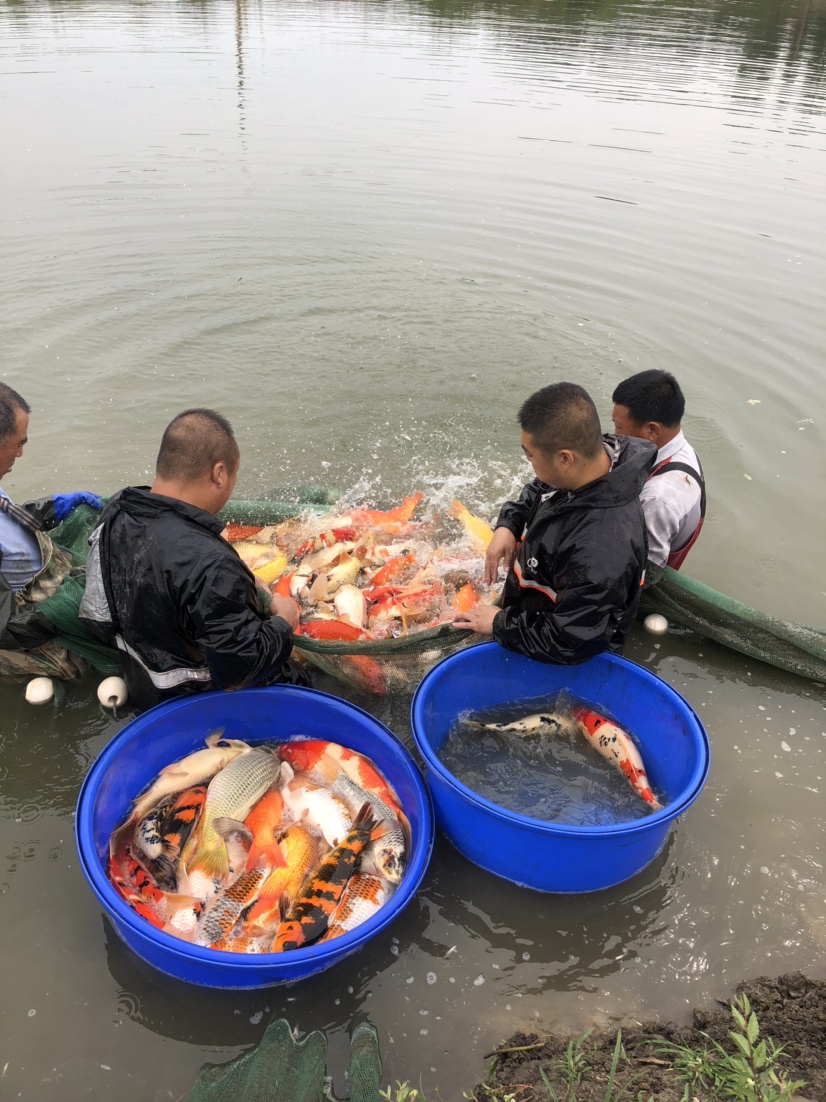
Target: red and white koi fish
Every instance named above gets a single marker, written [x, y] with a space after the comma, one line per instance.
[315, 806]
[616, 747]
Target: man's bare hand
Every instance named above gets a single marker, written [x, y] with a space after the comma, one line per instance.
[502, 546]
[478, 619]
[286, 608]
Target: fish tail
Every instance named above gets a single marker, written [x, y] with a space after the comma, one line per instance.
[211, 862]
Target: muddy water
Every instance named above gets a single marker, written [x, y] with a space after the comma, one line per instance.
[365, 232]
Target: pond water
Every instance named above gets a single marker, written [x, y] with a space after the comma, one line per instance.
[365, 232]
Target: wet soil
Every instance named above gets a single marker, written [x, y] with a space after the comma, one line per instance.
[790, 1009]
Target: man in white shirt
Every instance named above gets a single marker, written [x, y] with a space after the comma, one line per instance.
[650, 406]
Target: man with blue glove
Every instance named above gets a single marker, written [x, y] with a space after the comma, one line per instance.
[31, 566]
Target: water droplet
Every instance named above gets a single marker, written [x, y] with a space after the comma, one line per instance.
[480, 979]
[431, 977]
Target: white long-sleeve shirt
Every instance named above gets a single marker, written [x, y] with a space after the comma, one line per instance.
[671, 501]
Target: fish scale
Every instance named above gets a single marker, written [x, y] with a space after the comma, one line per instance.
[363, 896]
[231, 794]
[224, 911]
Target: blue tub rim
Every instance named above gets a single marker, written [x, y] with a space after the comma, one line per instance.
[665, 815]
[119, 912]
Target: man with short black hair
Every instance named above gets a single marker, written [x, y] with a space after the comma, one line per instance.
[31, 566]
[172, 594]
[574, 542]
[650, 406]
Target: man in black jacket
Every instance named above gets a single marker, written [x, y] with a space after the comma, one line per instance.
[170, 592]
[574, 581]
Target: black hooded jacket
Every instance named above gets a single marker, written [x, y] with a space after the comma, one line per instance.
[575, 582]
[177, 600]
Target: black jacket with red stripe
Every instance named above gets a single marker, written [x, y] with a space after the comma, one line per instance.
[575, 583]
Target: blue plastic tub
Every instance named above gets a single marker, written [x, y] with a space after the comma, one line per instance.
[547, 856]
[276, 714]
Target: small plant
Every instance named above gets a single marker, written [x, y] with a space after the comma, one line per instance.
[403, 1092]
[749, 1075]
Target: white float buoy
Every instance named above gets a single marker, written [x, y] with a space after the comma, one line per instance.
[656, 624]
[112, 692]
[40, 690]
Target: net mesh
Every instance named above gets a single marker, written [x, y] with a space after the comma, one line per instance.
[283, 1069]
[797, 648]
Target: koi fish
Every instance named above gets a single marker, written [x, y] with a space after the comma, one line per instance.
[548, 721]
[351, 604]
[231, 794]
[263, 822]
[465, 598]
[324, 539]
[283, 587]
[616, 747]
[221, 914]
[300, 853]
[194, 769]
[480, 533]
[345, 573]
[320, 807]
[304, 754]
[136, 887]
[269, 571]
[392, 570]
[377, 518]
[181, 819]
[310, 914]
[366, 672]
[234, 532]
[362, 897]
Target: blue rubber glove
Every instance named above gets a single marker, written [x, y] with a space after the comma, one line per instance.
[64, 503]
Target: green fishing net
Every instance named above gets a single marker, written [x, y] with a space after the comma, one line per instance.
[797, 648]
[283, 1069]
[397, 665]
[73, 533]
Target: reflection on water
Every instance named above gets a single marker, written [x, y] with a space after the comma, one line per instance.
[366, 232]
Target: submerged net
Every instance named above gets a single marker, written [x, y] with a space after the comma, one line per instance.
[385, 665]
[796, 648]
[282, 1069]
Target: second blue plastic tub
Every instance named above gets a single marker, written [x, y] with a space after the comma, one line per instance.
[547, 856]
[169, 732]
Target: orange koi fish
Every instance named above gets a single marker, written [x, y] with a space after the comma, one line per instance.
[282, 586]
[300, 852]
[262, 823]
[465, 598]
[365, 671]
[310, 914]
[392, 570]
[398, 515]
[362, 897]
[234, 532]
[616, 747]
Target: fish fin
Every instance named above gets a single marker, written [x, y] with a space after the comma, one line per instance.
[214, 737]
[224, 825]
[183, 881]
[211, 862]
[365, 819]
[287, 773]
[284, 905]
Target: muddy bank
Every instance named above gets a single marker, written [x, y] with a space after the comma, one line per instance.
[791, 1010]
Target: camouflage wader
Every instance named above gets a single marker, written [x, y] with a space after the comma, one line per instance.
[51, 659]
